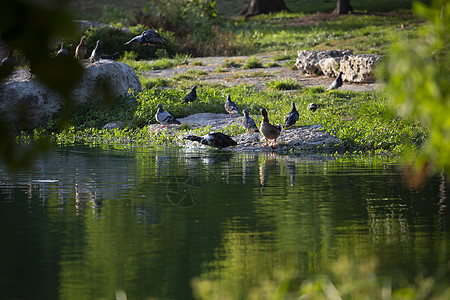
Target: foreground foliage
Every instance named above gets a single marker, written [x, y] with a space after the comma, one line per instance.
[418, 76]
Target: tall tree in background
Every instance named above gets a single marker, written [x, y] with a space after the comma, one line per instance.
[257, 7]
[343, 7]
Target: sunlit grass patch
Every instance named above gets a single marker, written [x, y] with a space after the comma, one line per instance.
[284, 84]
[232, 63]
[197, 62]
[148, 83]
[253, 62]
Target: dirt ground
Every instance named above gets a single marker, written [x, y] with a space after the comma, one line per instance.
[258, 77]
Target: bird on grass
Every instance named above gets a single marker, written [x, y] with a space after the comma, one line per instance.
[192, 96]
[231, 107]
[215, 139]
[148, 37]
[164, 117]
[248, 123]
[292, 116]
[312, 107]
[62, 51]
[81, 50]
[96, 53]
[269, 131]
[337, 83]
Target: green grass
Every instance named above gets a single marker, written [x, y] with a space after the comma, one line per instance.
[361, 120]
[284, 84]
[253, 62]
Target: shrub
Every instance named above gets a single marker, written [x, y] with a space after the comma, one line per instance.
[284, 84]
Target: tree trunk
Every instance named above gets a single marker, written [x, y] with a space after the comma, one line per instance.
[257, 7]
[343, 7]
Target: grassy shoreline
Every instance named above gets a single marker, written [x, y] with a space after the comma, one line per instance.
[362, 120]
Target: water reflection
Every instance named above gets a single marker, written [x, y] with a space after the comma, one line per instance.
[147, 221]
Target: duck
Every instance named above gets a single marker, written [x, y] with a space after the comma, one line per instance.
[164, 117]
[312, 107]
[248, 123]
[269, 131]
[216, 139]
[231, 107]
[337, 83]
[81, 50]
[192, 96]
[292, 116]
[148, 37]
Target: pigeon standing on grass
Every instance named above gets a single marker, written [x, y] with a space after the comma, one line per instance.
[81, 50]
[269, 131]
[292, 116]
[96, 53]
[249, 123]
[62, 51]
[164, 117]
[312, 107]
[231, 107]
[192, 96]
[148, 37]
[337, 83]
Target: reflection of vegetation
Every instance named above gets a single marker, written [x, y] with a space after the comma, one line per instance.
[107, 224]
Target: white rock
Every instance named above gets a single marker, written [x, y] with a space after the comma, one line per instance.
[359, 68]
[308, 61]
[330, 66]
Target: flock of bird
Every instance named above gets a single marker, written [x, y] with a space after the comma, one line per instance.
[217, 139]
[148, 37]
[220, 140]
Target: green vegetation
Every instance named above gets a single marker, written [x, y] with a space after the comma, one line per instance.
[284, 84]
[361, 120]
[418, 76]
[253, 62]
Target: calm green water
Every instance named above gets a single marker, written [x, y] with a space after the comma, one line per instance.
[86, 222]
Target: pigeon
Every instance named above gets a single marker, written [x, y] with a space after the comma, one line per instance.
[312, 107]
[164, 117]
[81, 50]
[62, 51]
[96, 53]
[8, 61]
[292, 117]
[149, 37]
[248, 123]
[269, 131]
[192, 96]
[231, 107]
[215, 139]
[337, 83]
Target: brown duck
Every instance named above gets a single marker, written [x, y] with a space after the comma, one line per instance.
[81, 49]
[269, 131]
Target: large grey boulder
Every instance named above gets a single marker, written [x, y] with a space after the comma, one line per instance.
[359, 68]
[28, 102]
[308, 61]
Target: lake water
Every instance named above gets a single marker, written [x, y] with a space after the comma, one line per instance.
[87, 223]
